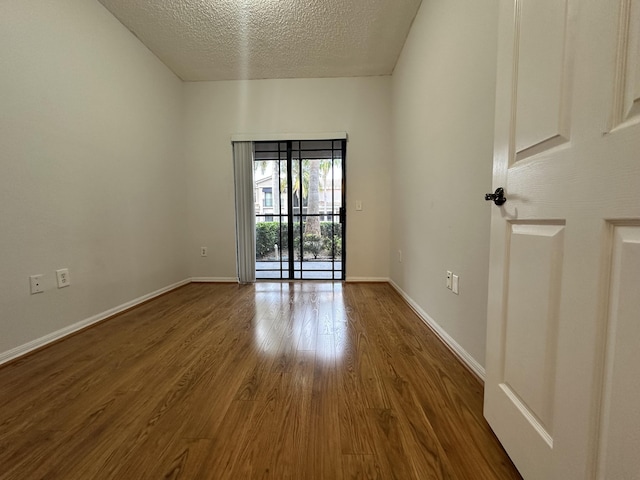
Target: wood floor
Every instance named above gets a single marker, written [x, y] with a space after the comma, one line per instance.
[271, 381]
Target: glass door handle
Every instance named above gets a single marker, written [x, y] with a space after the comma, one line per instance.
[342, 214]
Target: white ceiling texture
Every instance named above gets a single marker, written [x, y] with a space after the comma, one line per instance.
[250, 39]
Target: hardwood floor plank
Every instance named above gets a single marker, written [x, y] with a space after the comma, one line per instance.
[362, 467]
[324, 454]
[427, 454]
[184, 460]
[200, 415]
[318, 380]
[278, 435]
[448, 404]
[289, 428]
[390, 446]
[222, 454]
[20, 456]
[84, 447]
[355, 434]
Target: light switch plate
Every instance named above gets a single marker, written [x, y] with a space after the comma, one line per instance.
[456, 284]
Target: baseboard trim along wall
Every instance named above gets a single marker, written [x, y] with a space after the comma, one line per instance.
[367, 280]
[66, 331]
[214, 280]
[464, 356]
[41, 342]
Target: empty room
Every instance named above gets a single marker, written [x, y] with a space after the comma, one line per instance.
[288, 239]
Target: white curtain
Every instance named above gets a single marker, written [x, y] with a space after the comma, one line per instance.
[245, 215]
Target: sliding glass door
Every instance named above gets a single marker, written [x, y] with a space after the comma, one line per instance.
[299, 196]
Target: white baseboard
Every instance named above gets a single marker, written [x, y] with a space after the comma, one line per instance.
[214, 279]
[16, 352]
[367, 279]
[63, 332]
[471, 363]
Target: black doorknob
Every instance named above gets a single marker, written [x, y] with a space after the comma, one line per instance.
[497, 197]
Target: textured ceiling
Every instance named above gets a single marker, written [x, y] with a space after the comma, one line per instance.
[249, 39]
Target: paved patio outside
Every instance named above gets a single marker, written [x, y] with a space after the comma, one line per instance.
[325, 270]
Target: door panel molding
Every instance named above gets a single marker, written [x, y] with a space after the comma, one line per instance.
[531, 322]
[543, 73]
[526, 412]
[619, 429]
[626, 97]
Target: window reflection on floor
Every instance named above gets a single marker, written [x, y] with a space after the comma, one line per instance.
[300, 317]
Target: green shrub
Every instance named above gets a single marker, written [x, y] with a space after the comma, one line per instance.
[268, 234]
[284, 238]
[266, 238]
[327, 232]
[312, 244]
[337, 245]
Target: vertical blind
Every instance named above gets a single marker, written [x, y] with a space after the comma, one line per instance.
[245, 220]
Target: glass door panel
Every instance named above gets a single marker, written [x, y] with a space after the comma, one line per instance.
[299, 191]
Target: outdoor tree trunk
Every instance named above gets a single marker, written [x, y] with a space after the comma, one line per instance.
[313, 202]
[275, 188]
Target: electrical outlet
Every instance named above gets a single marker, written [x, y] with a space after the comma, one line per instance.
[36, 284]
[456, 284]
[449, 274]
[203, 251]
[63, 277]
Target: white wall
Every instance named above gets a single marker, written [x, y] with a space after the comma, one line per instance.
[443, 101]
[110, 166]
[91, 176]
[216, 110]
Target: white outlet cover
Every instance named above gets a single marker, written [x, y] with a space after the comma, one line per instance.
[63, 277]
[456, 284]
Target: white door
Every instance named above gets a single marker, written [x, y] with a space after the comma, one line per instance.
[562, 391]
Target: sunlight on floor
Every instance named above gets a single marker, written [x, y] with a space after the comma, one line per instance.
[310, 317]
